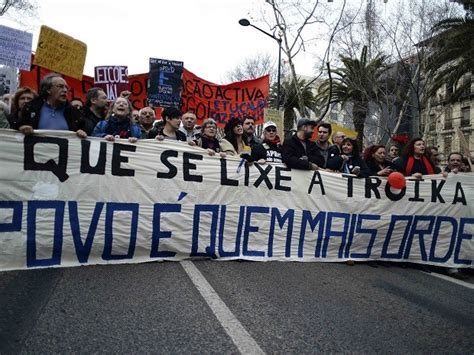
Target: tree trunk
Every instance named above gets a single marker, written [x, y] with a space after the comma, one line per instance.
[359, 114]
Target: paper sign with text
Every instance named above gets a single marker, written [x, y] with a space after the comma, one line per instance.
[165, 82]
[112, 79]
[15, 48]
[61, 53]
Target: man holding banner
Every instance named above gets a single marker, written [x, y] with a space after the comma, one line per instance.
[95, 108]
[298, 151]
[51, 110]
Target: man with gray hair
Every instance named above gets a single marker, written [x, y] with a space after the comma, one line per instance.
[146, 118]
[51, 110]
[188, 126]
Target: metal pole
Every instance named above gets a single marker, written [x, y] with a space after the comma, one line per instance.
[245, 22]
[279, 74]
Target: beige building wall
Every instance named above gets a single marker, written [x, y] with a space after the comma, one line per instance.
[442, 121]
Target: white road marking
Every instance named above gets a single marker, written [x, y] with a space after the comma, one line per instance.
[239, 335]
[452, 279]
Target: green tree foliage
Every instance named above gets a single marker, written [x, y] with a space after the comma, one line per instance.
[359, 82]
[451, 53]
[289, 100]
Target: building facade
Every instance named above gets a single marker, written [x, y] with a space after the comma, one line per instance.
[450, 126]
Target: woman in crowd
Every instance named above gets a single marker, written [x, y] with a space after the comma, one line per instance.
[208, 138]
[393, 153]
[378, 165]
[415, 161]
[235, 140]
[349, 162]
[21, 97]
[119, 123]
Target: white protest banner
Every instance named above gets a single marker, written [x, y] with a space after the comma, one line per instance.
[113, 79]
[69, 202]
[15, 48]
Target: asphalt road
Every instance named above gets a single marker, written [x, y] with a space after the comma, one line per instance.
[282, 307]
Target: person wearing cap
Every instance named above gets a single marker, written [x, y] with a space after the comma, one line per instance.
[270, 149]
[298, 151]
[235, 140]
[170, 130]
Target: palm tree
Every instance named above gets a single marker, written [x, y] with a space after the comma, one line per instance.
[357, 82]
[289, 100]
[452, 53]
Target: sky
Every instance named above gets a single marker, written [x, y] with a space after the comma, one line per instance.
[204, 34]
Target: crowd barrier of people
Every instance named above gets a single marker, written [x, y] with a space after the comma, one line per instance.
[50, 109]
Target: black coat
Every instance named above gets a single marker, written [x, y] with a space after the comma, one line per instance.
[271, 152]
[158, 131]
[90, 120]
[331, 152]
[418, 166]
[295, 156]
[336, 163]
[375, 168]
[30, 115]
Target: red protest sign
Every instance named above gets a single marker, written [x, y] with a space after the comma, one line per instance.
[112, 79]
[222, 102]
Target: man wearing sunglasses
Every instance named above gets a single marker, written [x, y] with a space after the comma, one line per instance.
[270, 149]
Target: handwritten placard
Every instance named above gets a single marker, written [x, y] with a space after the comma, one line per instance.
[113, 79]
[15, 48]
[60, 53]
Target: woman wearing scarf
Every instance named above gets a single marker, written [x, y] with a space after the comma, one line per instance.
[119, 123]
[235, 141]
[208, 138]
[378, 165]
[349, 162]
[415, 161]
[270, 149]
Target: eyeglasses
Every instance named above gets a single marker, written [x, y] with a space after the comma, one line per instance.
[270, 130]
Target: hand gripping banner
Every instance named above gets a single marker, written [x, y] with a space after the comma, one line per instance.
[70, 202]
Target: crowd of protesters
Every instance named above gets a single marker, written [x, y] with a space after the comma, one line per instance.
[49, 109]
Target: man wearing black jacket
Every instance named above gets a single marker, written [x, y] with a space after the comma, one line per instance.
[322, 144]
[95, 108]
[270, 149]
[298, 152]
[51, 110]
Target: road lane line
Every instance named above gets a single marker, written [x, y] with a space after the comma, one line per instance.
[236, 331]
[451, 279]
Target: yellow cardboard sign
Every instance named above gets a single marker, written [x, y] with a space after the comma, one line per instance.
[347, 132]
[275, 116]
[61, 53]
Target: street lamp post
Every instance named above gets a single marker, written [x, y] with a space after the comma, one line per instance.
[245, 22]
